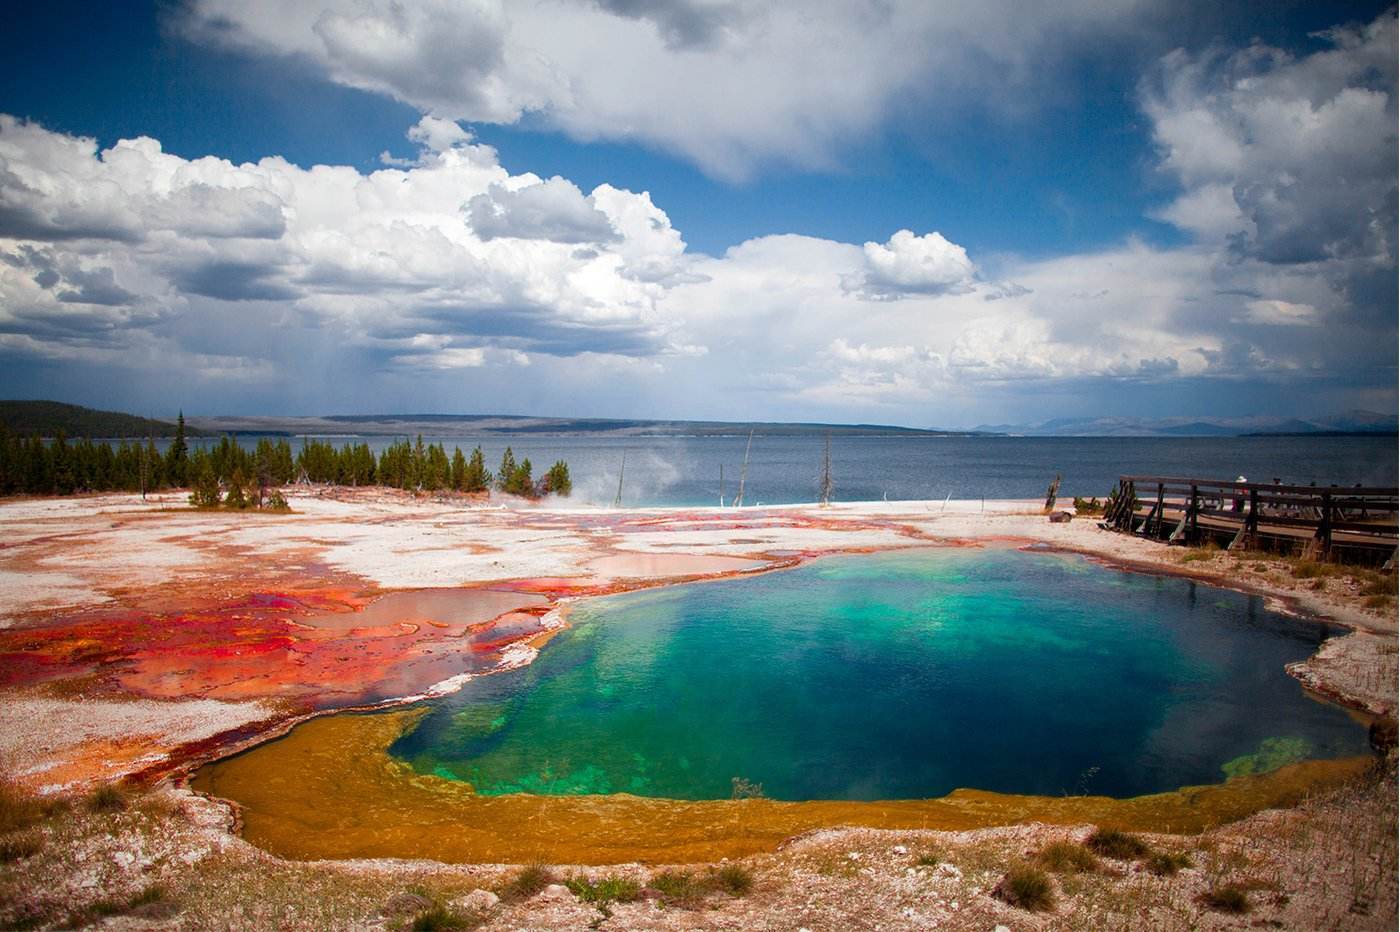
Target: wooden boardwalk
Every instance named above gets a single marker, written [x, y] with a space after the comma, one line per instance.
[1360, 523]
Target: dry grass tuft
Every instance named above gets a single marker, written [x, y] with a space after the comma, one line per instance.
[1120, 846]
[1027, 887]
[1065, 857]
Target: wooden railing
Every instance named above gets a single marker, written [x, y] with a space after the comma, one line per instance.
[1186, 510]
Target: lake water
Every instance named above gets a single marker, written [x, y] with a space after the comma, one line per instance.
[900, 675]
[786, 469]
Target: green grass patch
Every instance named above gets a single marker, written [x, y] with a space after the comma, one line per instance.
[1111, 843]
[687, 889]
[610, 889]
[930, 858]
[679, 888]
[1027, 887]
[734, 879]
[1065, 857]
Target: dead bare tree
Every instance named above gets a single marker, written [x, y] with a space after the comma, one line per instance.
[744, 472]
[617, 499]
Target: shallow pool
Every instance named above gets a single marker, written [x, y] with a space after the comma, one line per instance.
[896, 676]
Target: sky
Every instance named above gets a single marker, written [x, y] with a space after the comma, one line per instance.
[919, 213]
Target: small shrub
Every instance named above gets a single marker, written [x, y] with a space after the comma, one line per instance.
[1026, 887]
[741, 788]
[20, 847]
[1376, 584]
[439, 918]
[610, 889]
[1167, 863]
[1230, 898]
[1092, 507]
[930, 858]
[678, 888]
[107, 798]
[531, 880]
[18, 809]
[276, 501]
[734, 879]
[1196, 556]
[1065, 857]
[1111, 843]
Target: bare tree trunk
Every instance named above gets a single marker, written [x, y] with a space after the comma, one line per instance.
[617, 501]
[744, 473]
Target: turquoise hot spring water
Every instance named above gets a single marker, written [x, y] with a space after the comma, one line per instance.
[896, 676]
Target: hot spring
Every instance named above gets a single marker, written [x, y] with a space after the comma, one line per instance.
[897, 676]
[893, 677]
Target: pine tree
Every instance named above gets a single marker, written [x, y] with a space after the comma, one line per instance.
[177, 458]
[236, 497]
[459, 470]
[506, 473]
[520, 482]
[206, 488]
[557, 481]
[478, 477]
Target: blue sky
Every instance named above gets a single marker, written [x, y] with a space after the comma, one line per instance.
[1047, 157]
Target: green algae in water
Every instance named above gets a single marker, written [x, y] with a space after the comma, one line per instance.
[1272, 754]
[902, 675]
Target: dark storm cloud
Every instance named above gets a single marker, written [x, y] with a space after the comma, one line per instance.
[526, 328]
[682, 24]
[232, 281]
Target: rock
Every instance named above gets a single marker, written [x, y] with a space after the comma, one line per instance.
[1060, 517]
[1002, 929]
[900, 849]
[403, 904]
[478, 901]
[555, 892]
[950, 870]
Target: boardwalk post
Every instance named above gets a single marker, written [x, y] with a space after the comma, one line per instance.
[1324, 530]
[1193, 535]
[1157, 512]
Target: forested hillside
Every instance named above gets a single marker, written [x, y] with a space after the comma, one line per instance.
[48, 418]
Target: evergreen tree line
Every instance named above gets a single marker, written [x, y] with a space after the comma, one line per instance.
[62, 467]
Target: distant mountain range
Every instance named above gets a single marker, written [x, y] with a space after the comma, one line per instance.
[452, 425]
[47, 418]
[1351, 422]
